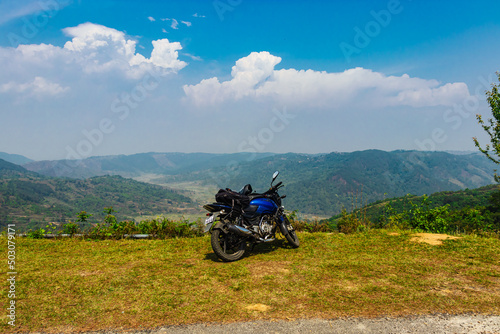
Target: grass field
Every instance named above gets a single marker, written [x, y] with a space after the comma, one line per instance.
[70, 285]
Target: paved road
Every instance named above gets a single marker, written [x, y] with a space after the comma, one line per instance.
[425, 324]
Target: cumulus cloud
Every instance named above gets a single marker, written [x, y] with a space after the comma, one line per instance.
[93, 50]
[187, 23]
[164, 55]
[101, 48]
[152, 19]
[254, 77]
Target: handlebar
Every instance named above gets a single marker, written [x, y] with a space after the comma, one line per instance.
[276, 187]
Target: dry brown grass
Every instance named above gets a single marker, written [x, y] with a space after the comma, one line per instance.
[75, 285]
[432, 238]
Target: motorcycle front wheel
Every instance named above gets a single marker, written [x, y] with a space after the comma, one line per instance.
[291, 237]
[227, 246]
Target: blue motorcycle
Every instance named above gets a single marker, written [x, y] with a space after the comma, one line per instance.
[243, 219]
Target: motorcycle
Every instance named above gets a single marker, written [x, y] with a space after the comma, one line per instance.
[243, 219]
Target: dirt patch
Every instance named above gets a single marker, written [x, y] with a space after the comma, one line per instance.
[432, 238]
[258, 307]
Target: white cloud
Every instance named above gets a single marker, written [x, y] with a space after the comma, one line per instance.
[174, 24]
[164, 55]
[93, 49]
[193, 57]
[254, 77]
[198, 15]
[94, 54]
[188, 24]
[152, 19]
[38, 87]
[100, 48]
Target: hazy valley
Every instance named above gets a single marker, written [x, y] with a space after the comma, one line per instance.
[178, 184]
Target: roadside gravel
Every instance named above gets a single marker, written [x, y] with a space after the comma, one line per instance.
[418, 324]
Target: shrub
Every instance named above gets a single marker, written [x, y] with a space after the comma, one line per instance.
[70, 228]
[349, 223]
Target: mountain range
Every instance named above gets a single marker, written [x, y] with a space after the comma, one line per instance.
[14, 158]
[138, 164]
[31, 200]
[323, 184]
[319, 184]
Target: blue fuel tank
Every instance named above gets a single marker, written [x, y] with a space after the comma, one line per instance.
[264, 206]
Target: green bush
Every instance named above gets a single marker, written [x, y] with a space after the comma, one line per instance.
[434, 220]
[349, 223]
[70, 228]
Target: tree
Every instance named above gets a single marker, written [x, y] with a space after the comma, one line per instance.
[83, 216]
[492, 127]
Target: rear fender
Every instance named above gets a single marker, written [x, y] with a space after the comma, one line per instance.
[218, 226]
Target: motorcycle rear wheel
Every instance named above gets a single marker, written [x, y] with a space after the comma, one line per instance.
[227, 246]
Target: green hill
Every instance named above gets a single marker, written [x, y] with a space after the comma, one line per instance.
[14, 158]
[6, 166]
[457, 200]
[318, 184]
[323, 184]
[30, 200]
[11, 170]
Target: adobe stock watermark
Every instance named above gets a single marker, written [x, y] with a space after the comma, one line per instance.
[453, 116]
[120, 108]
[223, 6]
[33, 24]
[11, 274]
[373, 28]
[255, 144]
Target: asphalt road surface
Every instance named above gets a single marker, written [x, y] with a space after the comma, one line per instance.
[422, 324]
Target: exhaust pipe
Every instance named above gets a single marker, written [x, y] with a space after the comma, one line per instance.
[240, 231]
[266, 240]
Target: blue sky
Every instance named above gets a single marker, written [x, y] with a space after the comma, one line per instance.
[85, 78]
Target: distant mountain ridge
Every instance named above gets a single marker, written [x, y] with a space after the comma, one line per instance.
[319, 184]
[9, 169]
[30, 200]
[9, 166]
[138, 164]
[14, 158]
[323, 184]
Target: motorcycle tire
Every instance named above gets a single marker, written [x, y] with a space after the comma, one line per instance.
[291, 236]
[227, 246]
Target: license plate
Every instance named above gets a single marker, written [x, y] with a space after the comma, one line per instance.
[208, 223]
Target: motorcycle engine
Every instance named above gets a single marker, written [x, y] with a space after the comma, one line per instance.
[266, 227]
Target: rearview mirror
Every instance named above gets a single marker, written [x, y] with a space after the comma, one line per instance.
[275, 175]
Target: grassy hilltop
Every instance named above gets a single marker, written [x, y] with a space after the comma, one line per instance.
[141, 284]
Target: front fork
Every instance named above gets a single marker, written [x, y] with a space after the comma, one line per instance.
[283, 222]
